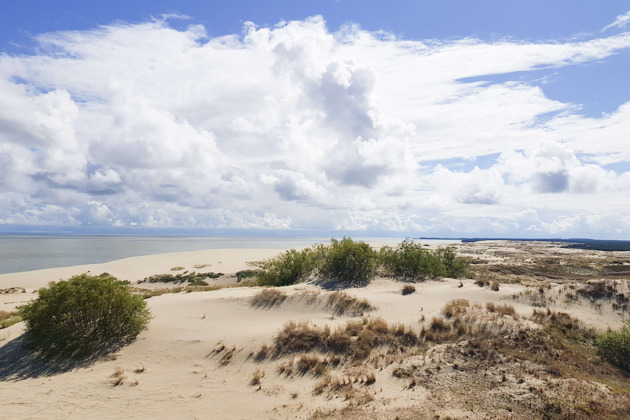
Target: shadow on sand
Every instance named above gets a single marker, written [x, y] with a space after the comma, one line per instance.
[18, 362]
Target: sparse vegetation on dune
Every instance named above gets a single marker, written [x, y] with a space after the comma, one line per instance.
[355, 340]
[84, 315]
[288, 268]
[9, 318]
[193, 279]
[346, 263]
[149, 293]
[409, 261]
[614, 346]
[342, 303]
[268, 298]
[482, 357]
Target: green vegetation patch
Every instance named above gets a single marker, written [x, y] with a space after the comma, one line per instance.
[409, 261]
[194, 279]
[8, 318]
[349, 263]
[346, 263]
[84, 315]
[287, 268]
[614, 346]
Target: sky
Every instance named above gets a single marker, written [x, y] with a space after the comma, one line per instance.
[453, 118]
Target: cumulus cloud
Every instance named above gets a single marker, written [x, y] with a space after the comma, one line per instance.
[297, 126]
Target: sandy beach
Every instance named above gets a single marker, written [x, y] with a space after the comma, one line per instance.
[178, 367]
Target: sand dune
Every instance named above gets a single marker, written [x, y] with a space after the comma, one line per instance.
[196, 359]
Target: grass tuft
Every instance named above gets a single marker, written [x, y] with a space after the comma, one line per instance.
[408, 289]
[268, 298]
[342, 303]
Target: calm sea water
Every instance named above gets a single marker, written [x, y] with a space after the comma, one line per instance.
[31, 252]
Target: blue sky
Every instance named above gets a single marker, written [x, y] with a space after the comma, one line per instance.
[450, 118]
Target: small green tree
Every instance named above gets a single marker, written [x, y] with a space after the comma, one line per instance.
[614, 346]
[351, 263]
[84, 315]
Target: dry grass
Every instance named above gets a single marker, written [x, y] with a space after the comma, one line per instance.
[256, 377]
[118, 377]
[501, 309]
[357, 340]
[308, 363]
[408, 289]
[455, 307]
[342, 303]
[226, 353]
[268, 298]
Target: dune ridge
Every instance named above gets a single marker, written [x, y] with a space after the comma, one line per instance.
[215, 354]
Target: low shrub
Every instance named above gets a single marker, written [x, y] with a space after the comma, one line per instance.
[288, 268]
[349, 263]
[345, 263]
[614, 346]
[410, 261]
[453, 266]
[82, 315]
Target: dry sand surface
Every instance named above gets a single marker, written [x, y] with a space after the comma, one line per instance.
[201, 354]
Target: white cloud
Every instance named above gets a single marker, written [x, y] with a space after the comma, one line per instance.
[294, 126]
[620, 22]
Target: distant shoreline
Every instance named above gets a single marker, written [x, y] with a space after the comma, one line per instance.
[577, 243]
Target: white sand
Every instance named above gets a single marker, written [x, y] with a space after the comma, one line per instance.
[180, 378]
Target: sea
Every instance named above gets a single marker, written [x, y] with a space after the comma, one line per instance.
[34, 252]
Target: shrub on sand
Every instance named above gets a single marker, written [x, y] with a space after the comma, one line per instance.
[409, 261]
[83, 315]
[288, 268]
[349, 263]
[614, 346]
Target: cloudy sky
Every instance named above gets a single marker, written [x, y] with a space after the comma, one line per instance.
[457, 118]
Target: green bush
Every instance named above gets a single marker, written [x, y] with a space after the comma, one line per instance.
[288, 268]
[452, 266]
[84, 315]
[348, 262]
[409, 261]
[614, 346]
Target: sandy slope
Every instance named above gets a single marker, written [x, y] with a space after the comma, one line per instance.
[170, 371]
